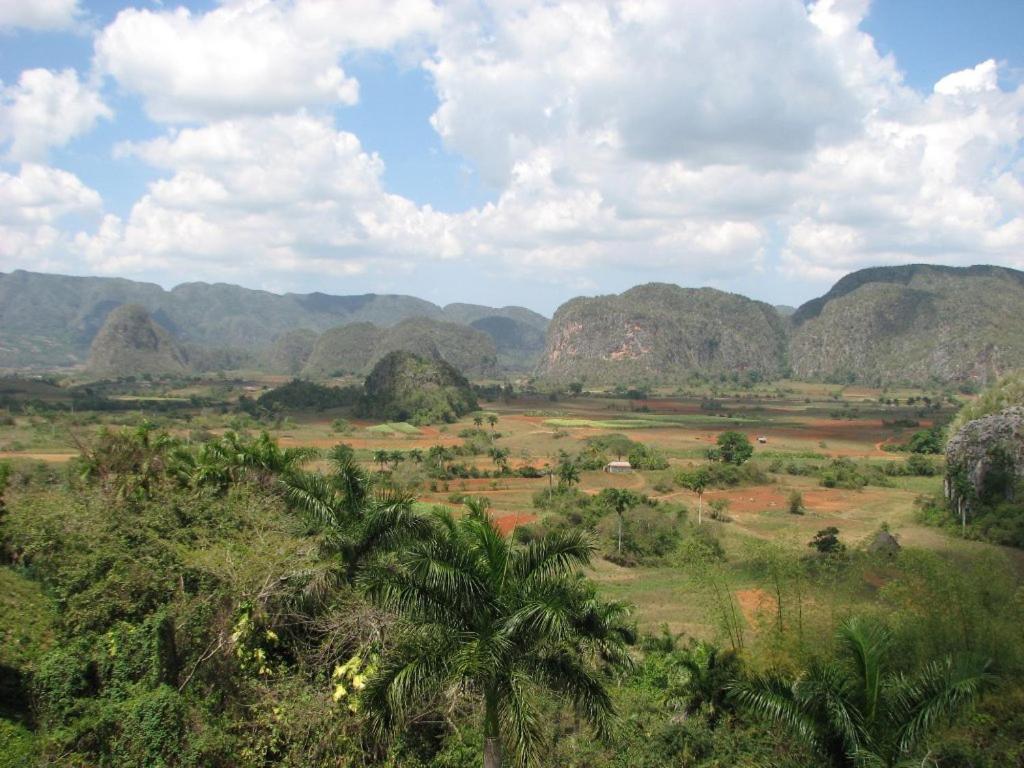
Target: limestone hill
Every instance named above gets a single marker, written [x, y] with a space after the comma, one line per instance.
[131, 343]
[657, 331]
[355, 348]
[406, 387]
[912, 324]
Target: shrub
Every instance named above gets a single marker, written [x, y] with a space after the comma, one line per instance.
[796, 503]
[827, 542]
[734, 448]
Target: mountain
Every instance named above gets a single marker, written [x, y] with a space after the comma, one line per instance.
[912, 324]
[50, 320]
[467, 314]
[519, 345]
[657, 330]
[344, 350]
[406, 387]
[291, 351]
[130, 343]
[357, 347]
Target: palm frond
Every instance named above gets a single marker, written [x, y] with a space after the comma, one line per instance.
[519, 720]
[936, 694]
[556, 554]
[564, 673]
[771, 697]
[312, 494]
[867, 644]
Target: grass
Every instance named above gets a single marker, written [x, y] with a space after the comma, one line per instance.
[394, 427]
[648, 422]
[796, 422]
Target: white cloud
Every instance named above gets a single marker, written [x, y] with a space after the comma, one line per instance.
[704, 141]
[275, 194]
[32, 204]
[46, 109]
[38, 14]
[249, 57]
[980, 78]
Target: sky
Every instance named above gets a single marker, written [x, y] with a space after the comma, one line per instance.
[510, 151]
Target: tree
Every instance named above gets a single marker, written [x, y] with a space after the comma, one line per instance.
[478, 421]
[358, 519]
[704, 673]
[734, 448]
[500, 457]
[492, 420]
[620, 500]
[496, 623]
[858, 712]
[381, 458]
[568, 474]
[827, 542]
[697, 481]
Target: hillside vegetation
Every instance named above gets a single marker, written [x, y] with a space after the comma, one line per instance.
[131, 343]
[658, 331]
[355, 348]
[406, 387]
[913, 324]
[50, 320]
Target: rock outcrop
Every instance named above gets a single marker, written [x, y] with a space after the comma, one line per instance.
[985, 460]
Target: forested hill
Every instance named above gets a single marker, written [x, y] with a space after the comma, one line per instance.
[51, 320]
[914, 324]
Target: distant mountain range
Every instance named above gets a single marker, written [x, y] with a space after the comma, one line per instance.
[914, 324]
[51, 320]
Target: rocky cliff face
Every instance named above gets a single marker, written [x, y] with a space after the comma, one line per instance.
[658, 331]
[130, 343]
[985, 460]
[915, 324]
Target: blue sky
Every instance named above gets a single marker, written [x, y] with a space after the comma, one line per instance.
[510, 152]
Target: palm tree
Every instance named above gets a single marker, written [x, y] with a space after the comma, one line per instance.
[620, 499]
[703, 685]
[381, 457]
[858, 712]
[358, 520]
[500, 457]
[568, 474]
[492, 420]
[696, 481]
[415, 454]
[478, 421]
[497, 623]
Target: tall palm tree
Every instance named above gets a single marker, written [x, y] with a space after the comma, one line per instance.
[858, 712]
[492, 420]
[620, 499]
[696, 481]
[497, 623]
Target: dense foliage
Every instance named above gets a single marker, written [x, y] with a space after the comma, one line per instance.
[216, 603]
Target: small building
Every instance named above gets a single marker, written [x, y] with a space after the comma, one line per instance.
[762, 439]
[618, 467]
[884, 544]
